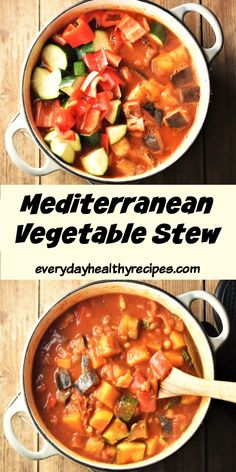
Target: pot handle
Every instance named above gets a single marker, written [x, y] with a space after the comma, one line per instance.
[188, 298]
[18, 405]
[181, 11]
[18, 124]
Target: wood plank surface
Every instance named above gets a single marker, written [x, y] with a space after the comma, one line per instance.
[210, 159]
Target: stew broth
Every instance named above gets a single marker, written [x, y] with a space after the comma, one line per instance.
[118, 92]
[97, 372]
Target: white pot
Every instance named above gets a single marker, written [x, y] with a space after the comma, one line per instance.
[173, 19]
[180, 305]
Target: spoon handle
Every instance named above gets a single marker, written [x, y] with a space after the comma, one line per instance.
[178, 383]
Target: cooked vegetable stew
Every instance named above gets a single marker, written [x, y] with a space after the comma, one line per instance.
[96, 375]
[114, 93]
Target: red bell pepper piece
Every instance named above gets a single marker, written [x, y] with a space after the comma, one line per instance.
[90, 121]
[68, 135]
[80, 34]
[104, 139]
[45, 113]
[81, 107]
[64, 119]
[112, 79]
[113, 58]
[160, 365]
[116, 39]
[131, 28]
[96, 60]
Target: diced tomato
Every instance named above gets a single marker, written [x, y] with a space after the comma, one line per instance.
[112, 79]
[160, 365]
[138, 381]
[81, 108]
[116, 39]
[131, 28]
[45, 113]
[104, 141]
[111, 18]
[51, 402]
[90, 121]
[64, 119]
[147, 401]
[80, 34]
[57, 38]
[112, 58]
[96, 60]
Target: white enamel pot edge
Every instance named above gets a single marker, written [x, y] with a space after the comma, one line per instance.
[174, 20]
[179, 305]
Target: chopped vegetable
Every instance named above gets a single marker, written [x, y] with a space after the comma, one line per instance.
[101, 40]
[106, 394]
[147, 401]
[138, 431]
[107, 346]
[131, 28]
[152, 445]
[100, 419]
[125, 380]
[96, 60]
[160, 365]
[115, 133]
[64, 363]
[177, 119]
[127, 452]
[158, 32]
[126, 407]
[83, 50]
[137, 355]
[79, 68]
[190, 94]
[94, 446]
[129, 326]
[91, 139]
[45, 112]
[86, 381]
[46, 84]
[182, 77]
[115, 432]
[85, 362]
[177, 340]
[121, 148]
[73, 421]
[54, 57]
[166, 424]
[64, 119]
[155, 112]
[113, 111]
[175, 357]
[63, 379]
[80, 34]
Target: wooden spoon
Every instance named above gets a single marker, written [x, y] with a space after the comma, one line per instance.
[179, 383]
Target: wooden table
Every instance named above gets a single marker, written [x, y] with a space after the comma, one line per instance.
[212, 449]
[212, 157]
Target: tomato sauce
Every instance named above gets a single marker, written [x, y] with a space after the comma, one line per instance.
[97, 372]
[136, 85]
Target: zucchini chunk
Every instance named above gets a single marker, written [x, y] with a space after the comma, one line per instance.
[115, 432]
[63, 150]
[46, 84]
[127, 452]
[52, 134]
[54, 57]
[115, 133]
[86, 381]
[92, 139]
[126, 407]
[70, 83]
[101, 40]
[158, 32]
[83, 50]
[96, 162]
[113, 113]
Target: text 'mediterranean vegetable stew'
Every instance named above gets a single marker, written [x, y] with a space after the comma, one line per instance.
[97, 372]
[115, 93]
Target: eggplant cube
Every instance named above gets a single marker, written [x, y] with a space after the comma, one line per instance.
[190, 94]
[86, 381]
[177, 119]
[182, 77]
[63, 379]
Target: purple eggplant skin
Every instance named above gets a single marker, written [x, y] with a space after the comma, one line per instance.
[63, 379]
[86, 381]
[176, 120]
[151, 142]
[155, 112]
[182, 77]
[190, 94]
